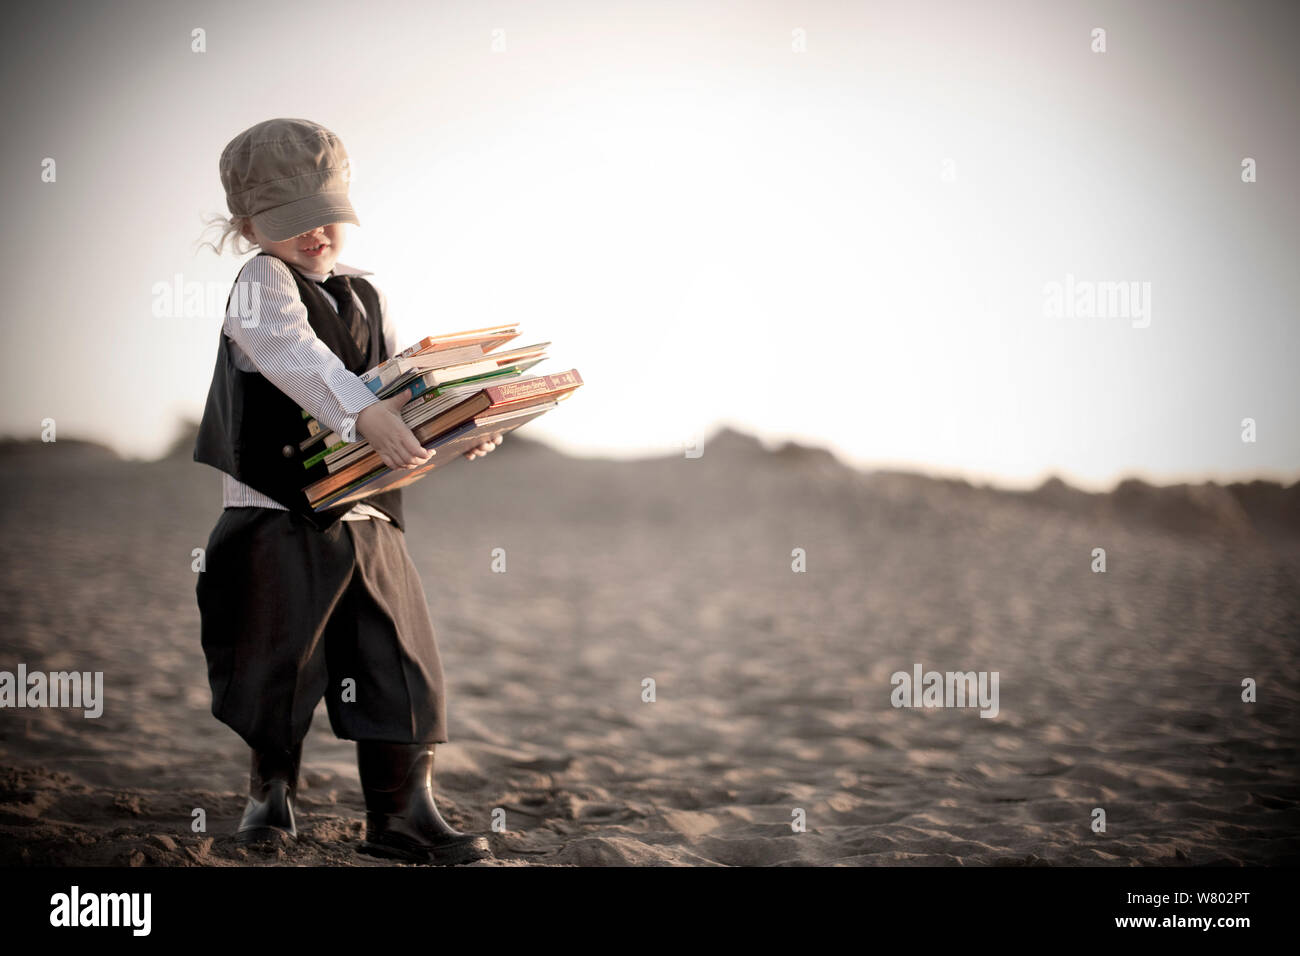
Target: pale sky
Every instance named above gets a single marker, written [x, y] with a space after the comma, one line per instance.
[847, 246]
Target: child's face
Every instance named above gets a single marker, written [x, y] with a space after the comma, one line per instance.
[315, 251]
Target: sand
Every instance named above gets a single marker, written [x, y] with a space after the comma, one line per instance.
[1119, 690]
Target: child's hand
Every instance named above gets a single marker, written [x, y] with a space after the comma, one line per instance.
[381, 424]
[484, 448]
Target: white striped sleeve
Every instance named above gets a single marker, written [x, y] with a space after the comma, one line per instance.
[280, 343]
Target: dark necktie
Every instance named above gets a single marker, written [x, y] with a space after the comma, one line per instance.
[341, 288]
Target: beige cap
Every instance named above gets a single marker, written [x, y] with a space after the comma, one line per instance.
[289, 176]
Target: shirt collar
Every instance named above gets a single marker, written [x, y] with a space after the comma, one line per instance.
[339, 270]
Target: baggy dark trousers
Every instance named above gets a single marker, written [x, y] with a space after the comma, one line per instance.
[289, 613]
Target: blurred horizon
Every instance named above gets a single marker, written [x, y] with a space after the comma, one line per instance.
[187, 427]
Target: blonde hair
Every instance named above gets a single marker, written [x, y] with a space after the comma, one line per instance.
[229, 229]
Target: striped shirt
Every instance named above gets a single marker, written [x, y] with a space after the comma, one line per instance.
[287, 352]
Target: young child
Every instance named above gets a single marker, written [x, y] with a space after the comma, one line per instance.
[295, 604]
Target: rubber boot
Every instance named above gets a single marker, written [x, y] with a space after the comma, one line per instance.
[272, 791]
[402, 820]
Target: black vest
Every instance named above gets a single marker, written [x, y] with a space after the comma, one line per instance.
[252, 430]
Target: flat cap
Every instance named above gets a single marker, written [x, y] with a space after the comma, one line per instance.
[289, 176]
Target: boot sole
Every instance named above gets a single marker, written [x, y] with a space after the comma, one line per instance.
[264, 835]
[453, 854]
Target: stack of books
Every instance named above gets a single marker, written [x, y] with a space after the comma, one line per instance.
[460, 392]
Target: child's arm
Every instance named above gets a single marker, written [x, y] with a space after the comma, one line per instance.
[280, 343]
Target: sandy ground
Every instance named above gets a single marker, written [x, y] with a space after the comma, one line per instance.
[1119, 690]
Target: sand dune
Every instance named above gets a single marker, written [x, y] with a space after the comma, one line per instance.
[1119, 690]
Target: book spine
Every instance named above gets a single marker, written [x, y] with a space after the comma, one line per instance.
[393, 362]
[323, 454]
[383, 375]
[415, 349]
[541, 385]
[421, 386]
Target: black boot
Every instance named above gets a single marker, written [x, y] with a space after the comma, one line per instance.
[402, 821]
[272, 790]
